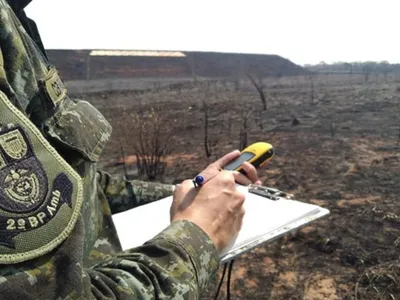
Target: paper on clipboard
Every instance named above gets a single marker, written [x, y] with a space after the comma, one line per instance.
[265, 220]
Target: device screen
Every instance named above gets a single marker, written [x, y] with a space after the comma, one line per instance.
[245, 156]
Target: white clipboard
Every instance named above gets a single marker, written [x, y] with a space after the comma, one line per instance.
[270, 214]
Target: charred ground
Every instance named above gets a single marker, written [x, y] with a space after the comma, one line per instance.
[344, 155]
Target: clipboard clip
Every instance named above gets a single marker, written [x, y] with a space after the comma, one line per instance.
[270, 193]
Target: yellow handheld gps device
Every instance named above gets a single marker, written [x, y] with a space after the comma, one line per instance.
[257, 154]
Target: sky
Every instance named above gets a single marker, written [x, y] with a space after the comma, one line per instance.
[304, 31]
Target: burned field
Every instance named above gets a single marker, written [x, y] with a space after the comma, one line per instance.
[337, 141]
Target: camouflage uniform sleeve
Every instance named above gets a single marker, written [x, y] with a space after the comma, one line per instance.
[123, 194]
[176, 264]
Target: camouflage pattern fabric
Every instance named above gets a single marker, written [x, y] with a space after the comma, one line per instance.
[123, 194]
[89, 263]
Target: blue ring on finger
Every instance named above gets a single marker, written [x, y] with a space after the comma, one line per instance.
[198, 180]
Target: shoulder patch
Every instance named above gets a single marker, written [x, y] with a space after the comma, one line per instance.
[53, 87]
[40, 193]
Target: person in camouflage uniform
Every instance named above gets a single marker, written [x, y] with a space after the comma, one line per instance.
[57, 239]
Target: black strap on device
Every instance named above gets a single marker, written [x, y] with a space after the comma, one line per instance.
[228, 283]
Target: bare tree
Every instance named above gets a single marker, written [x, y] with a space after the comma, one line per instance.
[385, 69]
[261, 119]
[349, 67]
[244, 127]
[366, 71]
[258, 84]
[210, 141]
[312, 90]
[236, 84]
[332, 126]
[191, 59]
[207, 146]
[152, 135]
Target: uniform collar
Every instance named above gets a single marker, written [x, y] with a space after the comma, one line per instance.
[18, 5]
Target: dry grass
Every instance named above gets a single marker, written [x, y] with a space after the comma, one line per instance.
[380, 282]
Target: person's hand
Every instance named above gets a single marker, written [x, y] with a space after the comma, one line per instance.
[216, 207]
[216, 167]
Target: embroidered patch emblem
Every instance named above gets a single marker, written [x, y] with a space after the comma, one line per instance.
[40, 194]
[53, 87]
